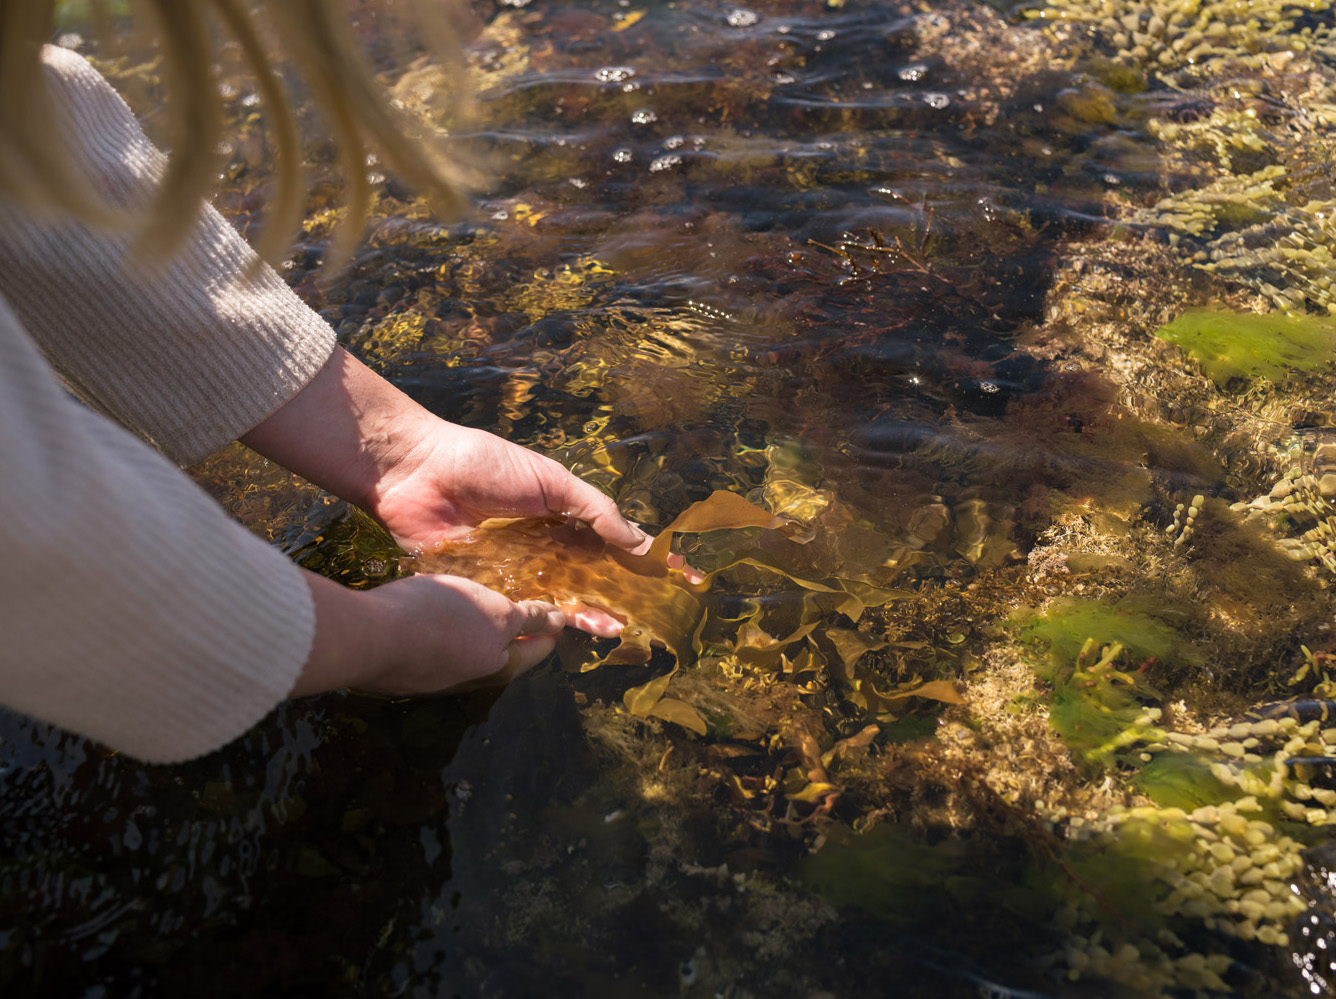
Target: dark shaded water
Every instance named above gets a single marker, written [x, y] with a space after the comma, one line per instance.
[802, 251]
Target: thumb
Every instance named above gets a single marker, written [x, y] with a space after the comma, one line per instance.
[573, 497]
[540, 618]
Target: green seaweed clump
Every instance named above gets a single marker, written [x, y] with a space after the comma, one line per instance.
[890, 872]
[1272, 346]
[1097, 708]
[1098, 711]
[1067, 625]
[1183, 780]
[1215, 852]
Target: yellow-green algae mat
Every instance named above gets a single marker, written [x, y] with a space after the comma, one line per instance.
[1217, 849]
[1139, 891]
[566, 563]
[1233, 801]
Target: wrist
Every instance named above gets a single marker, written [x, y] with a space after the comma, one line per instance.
[344, 652]
[400, 445]
[348, 430]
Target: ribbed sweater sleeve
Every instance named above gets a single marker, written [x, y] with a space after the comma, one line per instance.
[132, 609]
[189, 354]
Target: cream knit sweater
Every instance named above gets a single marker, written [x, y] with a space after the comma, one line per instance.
[132, 610]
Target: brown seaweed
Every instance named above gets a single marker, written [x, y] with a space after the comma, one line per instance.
[566, 563]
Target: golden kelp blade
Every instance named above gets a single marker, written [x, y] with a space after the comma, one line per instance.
[567, 563]
[722, 511]
[564, 564]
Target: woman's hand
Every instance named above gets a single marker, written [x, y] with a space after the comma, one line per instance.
[422, 635]
[356, 435]
[353, 433]
[459, 477]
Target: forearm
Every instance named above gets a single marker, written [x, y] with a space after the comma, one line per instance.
[137, 612]
[353, 433]
[344, 651]
[348, 431]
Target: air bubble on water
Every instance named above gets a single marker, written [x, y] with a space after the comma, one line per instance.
[686, 973]
[614, 74]
[644, 116]
[741, 17]
[665, 163]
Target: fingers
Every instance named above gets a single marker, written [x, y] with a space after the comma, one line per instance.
[600, 512]
[615, 529]
[644, 545]
[540, 618]
[691, 575]
[576, 498]
[523, 654]
[535, 639]
[599, 623]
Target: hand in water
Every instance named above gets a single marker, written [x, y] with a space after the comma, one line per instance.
[424, 634]
[424, 478]
[462, 477]
[458, 477]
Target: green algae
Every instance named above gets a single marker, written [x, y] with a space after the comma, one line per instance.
[1232, 346]
[1095, 722]
[1067, 626]
[1183, 780]
[890, 872]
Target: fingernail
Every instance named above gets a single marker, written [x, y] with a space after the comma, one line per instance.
[556, 620]
[644, 544]
[598, 624]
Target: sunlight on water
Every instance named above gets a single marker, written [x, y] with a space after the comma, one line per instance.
[1019, 699]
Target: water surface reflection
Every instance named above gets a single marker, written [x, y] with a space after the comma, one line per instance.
[872, 266]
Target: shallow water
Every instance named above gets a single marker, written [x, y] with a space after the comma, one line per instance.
[879, 267]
